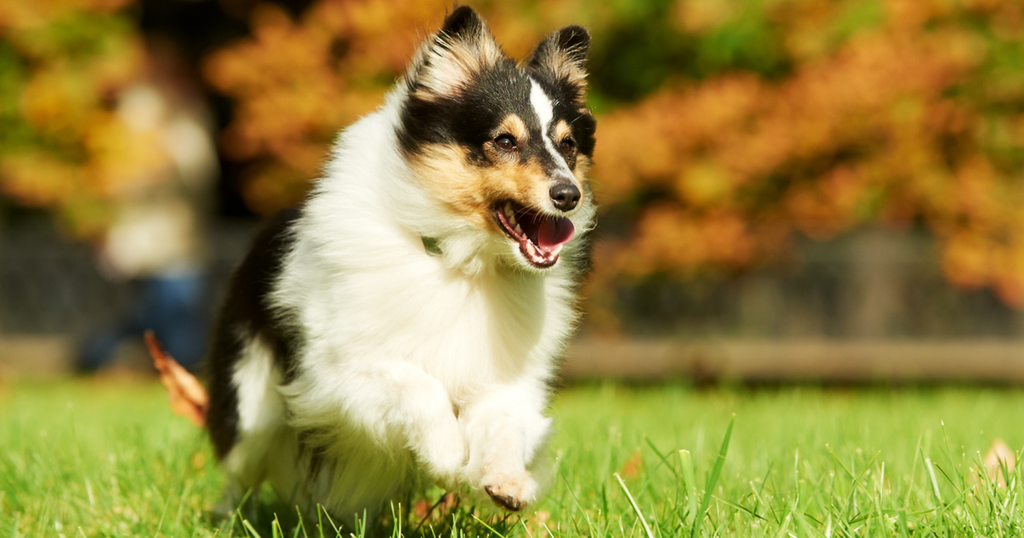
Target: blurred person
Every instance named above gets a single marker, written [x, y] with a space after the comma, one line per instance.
[157, 239]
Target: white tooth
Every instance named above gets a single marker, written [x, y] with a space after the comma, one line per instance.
[519, 229]
[512, 219]
[508, 209]
[556, 250]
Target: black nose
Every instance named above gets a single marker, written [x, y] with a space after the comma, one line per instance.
[565, 196]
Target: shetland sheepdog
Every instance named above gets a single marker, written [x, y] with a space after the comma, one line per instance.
[403, 325]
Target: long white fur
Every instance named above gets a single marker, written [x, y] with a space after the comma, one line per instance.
[411, 364]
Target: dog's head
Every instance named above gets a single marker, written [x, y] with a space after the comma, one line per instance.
[504, 147]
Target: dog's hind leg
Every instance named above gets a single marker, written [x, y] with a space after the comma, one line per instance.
[262, 436]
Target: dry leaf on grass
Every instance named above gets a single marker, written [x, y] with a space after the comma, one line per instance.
[188, 396]
[631, 469]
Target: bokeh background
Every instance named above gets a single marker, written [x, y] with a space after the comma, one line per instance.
[816, 189]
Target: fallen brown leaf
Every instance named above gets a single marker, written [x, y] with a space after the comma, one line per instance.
[631, 468]
[188, 396]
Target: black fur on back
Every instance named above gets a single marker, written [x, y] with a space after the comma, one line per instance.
[246, 314]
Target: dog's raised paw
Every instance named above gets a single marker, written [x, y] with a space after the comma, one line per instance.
[512, 494]
[501, 499]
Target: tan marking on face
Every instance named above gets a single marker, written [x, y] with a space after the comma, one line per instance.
[562, 131]
[583, 164]
[515, 126]
[499, 156]
[470, 191]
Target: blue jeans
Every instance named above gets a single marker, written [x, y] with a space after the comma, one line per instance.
[174, 307]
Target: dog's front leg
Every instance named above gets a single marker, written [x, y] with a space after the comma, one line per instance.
[504, 429]
[396, 403]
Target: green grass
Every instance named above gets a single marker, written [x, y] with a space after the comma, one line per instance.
[106, 458]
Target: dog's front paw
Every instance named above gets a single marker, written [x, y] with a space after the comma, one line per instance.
[443, 458]
[511, 491]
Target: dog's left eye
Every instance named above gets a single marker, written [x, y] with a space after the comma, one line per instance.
[506, 142]
[568, 147]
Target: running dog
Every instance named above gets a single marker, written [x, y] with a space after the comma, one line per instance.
[404, 324]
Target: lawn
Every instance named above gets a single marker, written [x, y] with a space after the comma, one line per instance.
[106, 458]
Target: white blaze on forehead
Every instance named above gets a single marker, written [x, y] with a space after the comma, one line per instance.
[545, 110]
[542, 105]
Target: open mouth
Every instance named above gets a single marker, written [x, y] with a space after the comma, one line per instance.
[540, 236]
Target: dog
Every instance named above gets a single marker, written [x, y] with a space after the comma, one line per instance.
[403, 325]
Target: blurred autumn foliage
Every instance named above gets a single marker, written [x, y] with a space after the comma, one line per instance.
[62, 146]
[901, 112]
[725, 127]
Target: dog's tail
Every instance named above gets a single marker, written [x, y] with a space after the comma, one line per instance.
[188, 396]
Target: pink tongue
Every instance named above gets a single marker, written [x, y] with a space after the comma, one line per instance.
[554, 231]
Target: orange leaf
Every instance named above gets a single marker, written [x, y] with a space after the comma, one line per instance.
[188, 397]
[631, 469]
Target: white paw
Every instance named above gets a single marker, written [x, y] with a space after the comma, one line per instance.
[443, 456]
[512, 491]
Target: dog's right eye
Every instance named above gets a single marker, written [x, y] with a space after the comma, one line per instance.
[506, 142]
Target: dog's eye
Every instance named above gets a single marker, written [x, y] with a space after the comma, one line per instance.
[568, 147]
[506, 142]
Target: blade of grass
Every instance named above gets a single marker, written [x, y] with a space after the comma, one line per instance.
[931, 476]
[636, 508]
[662, 457]
[275, 528]
[361, 524]
[527, 529]
[480, 521]
[579, 505]
[784, 527]
[691, 486]
[397, 518]
[739, 507]
[249, 528]
[713, 479]
[953, 468]
[835, 457]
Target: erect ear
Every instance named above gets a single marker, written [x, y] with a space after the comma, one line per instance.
[449, 60]
[563, 57]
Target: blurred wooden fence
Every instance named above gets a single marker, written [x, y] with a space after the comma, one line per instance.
[768, 361]
[703, 361]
